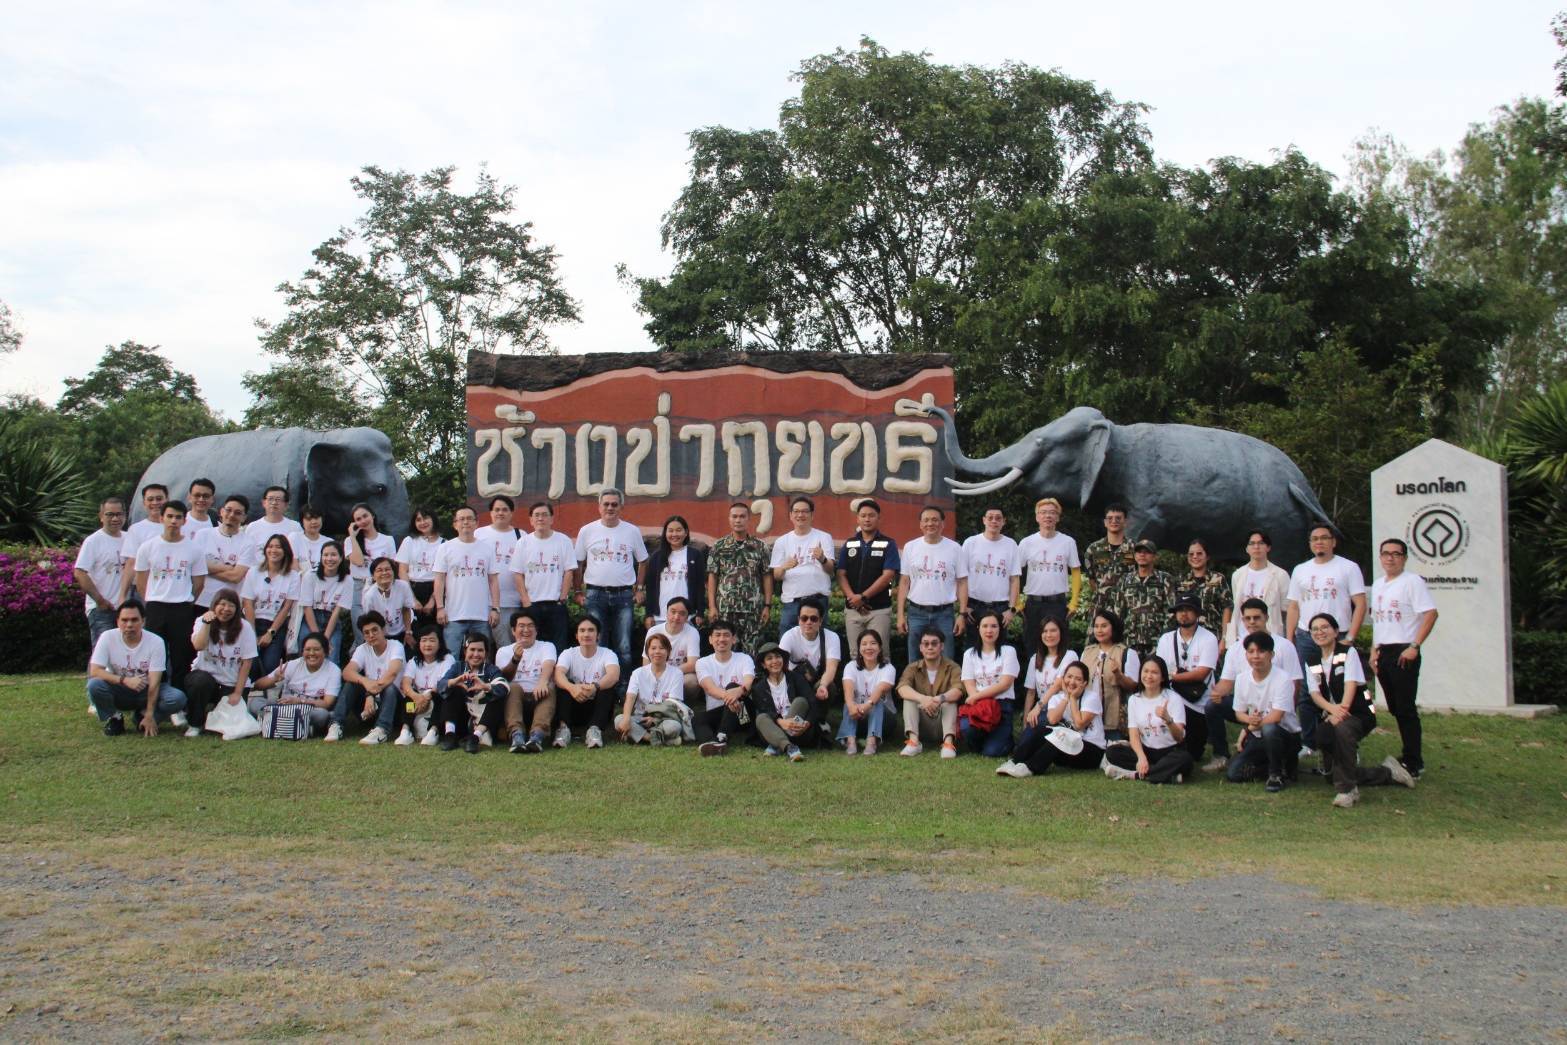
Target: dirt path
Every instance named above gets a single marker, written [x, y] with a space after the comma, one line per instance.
[640, 944]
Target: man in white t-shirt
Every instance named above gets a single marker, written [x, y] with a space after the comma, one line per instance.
[1259, 579]
[1191, 655]
[725, 677]
[613, 559]
[467, 593]
[127, 673]
[274, 502]
[1264, 702]
[995, 569]
[502, 536]
[1053, 575]
[153, 497]
[199, 500]
[170, 572]
[935, 576]
[803, 559]
[99, 564]
[685, 644]
[814, 650]
[1220, 705]
[227, 549]
[369, 682]
[528, 663]
[542, 570]
[1324, 583]
[1402, 616]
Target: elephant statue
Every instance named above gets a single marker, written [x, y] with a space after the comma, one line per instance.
[332, 470]
[1176, 481]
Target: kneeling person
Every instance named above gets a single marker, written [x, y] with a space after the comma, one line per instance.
[126, 674]
[1265, 707]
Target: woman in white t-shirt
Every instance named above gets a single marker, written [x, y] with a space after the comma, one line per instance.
[326, 596]
[310, 679]
[655, 708]
[392, 599]
[1156, 727]
[676, 569]
[867, 687]
[424, 670]
[1072, 719]
[989, 670]
[416, 563]
[269, 593]
[364, 544]
[586, 676]
[225, 644]
[1042, 680]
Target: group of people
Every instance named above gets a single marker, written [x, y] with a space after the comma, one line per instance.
[467, 640]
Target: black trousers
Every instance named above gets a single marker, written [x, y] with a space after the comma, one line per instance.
[172, 622]
[422, 591]
[202, 693]
[1399, 685]
[1164, 763]
[454, 709]
[1340, 747]
[1038, 754]
[579, 715]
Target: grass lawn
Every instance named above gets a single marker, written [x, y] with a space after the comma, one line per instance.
[1486, 825]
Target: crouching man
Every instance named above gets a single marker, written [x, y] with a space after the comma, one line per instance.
[126, 674]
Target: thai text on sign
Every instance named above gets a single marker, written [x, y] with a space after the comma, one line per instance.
[697, 433]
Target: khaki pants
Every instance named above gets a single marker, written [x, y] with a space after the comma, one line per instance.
[775, 735]
[858, 622]
[930, 728]
[518, 703]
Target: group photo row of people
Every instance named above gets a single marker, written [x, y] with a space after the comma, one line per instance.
[498, 633]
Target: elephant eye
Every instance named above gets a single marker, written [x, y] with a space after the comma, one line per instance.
[380, 487]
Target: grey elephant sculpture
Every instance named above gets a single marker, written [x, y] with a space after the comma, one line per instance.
[332, 470]
[1176, 481]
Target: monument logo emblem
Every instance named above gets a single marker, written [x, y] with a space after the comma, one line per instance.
[1438, 534]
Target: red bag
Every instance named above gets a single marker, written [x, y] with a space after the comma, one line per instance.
[983, 715]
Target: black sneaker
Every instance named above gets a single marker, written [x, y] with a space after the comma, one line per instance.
[471, 745]
[535, 744]
[1275, 785]
[448, 742]
[713, 747]
[519, 742]
[114, 727]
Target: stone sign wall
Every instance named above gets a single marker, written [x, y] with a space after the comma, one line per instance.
[691, 434]
[1450, 507]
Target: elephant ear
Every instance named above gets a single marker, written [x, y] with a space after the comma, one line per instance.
[1095, 448]
[322, 460]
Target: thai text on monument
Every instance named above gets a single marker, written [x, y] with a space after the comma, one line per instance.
[697, 433]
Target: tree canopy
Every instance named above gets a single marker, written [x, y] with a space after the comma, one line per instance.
[378, 328]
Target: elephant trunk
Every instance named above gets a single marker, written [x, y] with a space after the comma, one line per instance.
[991, 467]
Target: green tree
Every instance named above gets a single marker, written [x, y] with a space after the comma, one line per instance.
[851, 227]
[1535, 451]
[44, 497]
[10, 336]
[378, 328]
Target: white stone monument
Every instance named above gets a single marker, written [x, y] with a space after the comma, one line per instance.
[1450, 507]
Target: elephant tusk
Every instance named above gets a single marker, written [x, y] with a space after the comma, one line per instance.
[965, 489]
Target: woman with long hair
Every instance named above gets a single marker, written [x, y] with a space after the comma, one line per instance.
[1156, 727]
[269, 593]
[1070, 733]
[225, 645]
[867, 689]
[676, 568]
[989, 670]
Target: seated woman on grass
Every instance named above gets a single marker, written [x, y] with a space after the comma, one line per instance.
[1156, 726]
[423, 673]
[1043, 744]
[782, 704]
[655, 708]
[310, 679]
[867, 692]
[225, 644]
[473, 697]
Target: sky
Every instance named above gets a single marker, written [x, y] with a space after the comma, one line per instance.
[164, 167]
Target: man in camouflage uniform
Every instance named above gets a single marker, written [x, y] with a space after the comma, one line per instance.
[1207, 587]
[1106, 559]
[739, 582]
[1142, 598]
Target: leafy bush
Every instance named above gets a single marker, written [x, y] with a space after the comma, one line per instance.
[1536, 657]
[42, 625]
[43, 496]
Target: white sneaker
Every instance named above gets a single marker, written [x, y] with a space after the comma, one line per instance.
[795, 754]
[405, 738]
[192, 731]
[375, 736]
[1216, 763]
[1346, 799]
[1400, 774]
[595, 738]
[333, 732]
[1005, 768]
[912, 748]
[178, 720]
[771, 751]
[1019, 771]
[431, 738]
[485, 740]
[949, 749]
[1115, 772]
[563, 736]
[421, 727]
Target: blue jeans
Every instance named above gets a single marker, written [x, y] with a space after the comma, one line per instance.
[941, 618]
[454, 630]
[109, 699]
[1277, 747]
[269, 656]
[996, 743]
[1218, 713]
[98, 622]
[613, 610]
[872, 722]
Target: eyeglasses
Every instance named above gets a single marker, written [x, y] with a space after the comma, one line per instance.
[808, 620]
[1390, 554]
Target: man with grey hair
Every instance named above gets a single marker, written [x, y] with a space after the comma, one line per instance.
[613, 560]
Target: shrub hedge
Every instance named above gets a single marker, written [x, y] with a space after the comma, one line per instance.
[42, 626]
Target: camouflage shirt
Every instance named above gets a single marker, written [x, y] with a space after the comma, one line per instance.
[1212, 593]
[1144, 605]
[1103, 562]
[738, 568]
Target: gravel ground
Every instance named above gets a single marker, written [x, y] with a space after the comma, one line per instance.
[697, 945]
